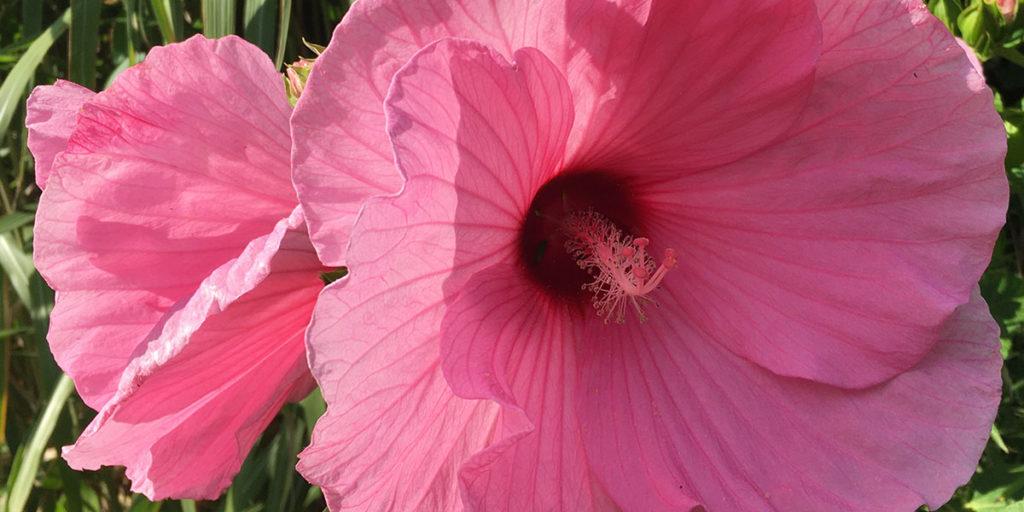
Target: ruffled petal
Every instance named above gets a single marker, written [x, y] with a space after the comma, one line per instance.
[216, 372]
[51, 112]
[167, 176]
[669, 414]
[475, 135]
[342, 156]
[670, 86]
[837, 253]
[505, 339]
[628, 92]
[394, 434]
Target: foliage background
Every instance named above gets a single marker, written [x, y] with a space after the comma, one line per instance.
[91, 41]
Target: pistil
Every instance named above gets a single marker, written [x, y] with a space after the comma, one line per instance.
[623, 272]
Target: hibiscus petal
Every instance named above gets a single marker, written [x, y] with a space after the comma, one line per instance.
[475, 136]
[686, 85]
[669, 414]
[837, 253]
[344, 157]
[393, 434]
[507, 340]
[219, 370]
[167, 176]
[51, 112]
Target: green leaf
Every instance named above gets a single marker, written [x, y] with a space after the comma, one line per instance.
[22, 484]
[994, 504]
[17, 81]
[6, 333]
[17, 266]
[85, 33]
[313, 406]
[284, 21]
[19, 456]
[40, 305]
[997, 438]
[282, 466]
[259, 24]
[14, 220]
[218, 18]
[251, 478]
[131, 26]
[141, 504]
[333, 275]
[947, 11]
[169, 17]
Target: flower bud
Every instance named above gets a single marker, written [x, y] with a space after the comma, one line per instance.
[295, 78]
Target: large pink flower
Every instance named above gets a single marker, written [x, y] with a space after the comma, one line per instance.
[185, 279]
[817, 185]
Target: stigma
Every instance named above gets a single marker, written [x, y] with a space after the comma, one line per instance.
[623, 272]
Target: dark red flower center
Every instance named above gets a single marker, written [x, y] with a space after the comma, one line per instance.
[544, 232]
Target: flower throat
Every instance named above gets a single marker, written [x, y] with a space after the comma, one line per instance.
[575, 244]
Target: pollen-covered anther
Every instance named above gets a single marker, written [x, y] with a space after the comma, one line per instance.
[624, 273]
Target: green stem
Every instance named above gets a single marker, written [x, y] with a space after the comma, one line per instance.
[33, 453]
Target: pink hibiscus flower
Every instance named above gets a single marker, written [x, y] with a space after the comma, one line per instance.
[185, 279]
[649, 255]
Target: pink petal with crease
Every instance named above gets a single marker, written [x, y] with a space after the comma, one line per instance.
[386, 376]
[188, 409]
[670, 414]
[185, 279]
[343, 158]
[839, 258]
[504, 339]
[51, 114]
[143, 203]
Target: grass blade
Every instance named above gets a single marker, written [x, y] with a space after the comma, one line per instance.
[259, 24]
[17, 266]
[282, 465]
[85, 33]
[5, 373]
[22, 484]
[13, 88]
[131, 25]
[218, 18]
[169, 17]
[40, 306]
[283, 24]
[14, 220]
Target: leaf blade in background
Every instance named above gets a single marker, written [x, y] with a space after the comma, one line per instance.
[131, 25]
[17, 266]
[14, 86]
[85, 32]
[282, 464]
[259, 24]
[284, 22]
[169, 19]
[218, 18]
[17, 495]
[14, 220]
